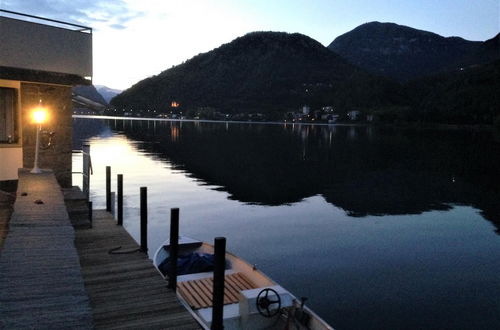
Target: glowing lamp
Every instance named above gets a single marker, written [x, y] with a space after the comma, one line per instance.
[39, 115]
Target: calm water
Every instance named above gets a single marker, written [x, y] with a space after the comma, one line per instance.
[381, 228]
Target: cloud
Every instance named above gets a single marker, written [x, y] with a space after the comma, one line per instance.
[99, 14]
[118, 26]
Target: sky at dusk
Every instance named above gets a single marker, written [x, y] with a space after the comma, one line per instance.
[134, 39]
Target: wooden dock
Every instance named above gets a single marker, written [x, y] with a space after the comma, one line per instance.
[53, 277]
[125, 290]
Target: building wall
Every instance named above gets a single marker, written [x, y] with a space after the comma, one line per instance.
[57, 100]
[10, 160]
[43, 47]
[11, 154]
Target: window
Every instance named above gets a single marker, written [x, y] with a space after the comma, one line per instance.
[8, 115]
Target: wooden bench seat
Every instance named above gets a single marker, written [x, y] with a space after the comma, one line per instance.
[198, 293]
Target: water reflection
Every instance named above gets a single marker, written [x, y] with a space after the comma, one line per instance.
[363, 170]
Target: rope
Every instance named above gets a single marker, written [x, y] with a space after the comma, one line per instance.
[114, 251]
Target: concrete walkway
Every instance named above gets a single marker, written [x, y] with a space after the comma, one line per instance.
[41, 285]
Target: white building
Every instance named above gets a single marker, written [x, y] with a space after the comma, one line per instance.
[39, 64]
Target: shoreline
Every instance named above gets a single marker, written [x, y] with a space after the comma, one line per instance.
[469, 127]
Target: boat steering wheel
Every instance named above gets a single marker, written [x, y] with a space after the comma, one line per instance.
[264, 302]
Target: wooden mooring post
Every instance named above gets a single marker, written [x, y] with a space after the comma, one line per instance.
[218, 289]
[91, 215]
[144, 219]
[174, 248]
[108, 188]
[120, 199]
[87, 170]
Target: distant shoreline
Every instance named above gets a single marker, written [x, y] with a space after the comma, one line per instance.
[472, 127]
[219, 121]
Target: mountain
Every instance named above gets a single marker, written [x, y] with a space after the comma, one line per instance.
[404, 53]
[261, 72]
[90, 93]
[489, 51]
[106, 92]
[466, 96]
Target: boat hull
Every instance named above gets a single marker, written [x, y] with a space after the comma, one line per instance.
[243, 313]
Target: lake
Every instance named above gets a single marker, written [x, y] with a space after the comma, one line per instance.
[381, 228]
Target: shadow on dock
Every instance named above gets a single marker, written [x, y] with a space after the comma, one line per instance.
[77, 207]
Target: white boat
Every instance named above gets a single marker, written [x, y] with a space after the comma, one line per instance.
[251, 299]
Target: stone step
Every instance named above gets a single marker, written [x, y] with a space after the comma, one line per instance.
[73, 193]
[77, 206]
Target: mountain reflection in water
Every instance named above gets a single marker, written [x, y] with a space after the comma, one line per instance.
[361, 169]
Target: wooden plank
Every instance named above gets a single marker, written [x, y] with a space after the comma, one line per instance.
[204, 292]
[237, 286]
[207, 301]
[209, 284]
[194, 292]
[245, 282]
[186, 293]
[231, 291]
